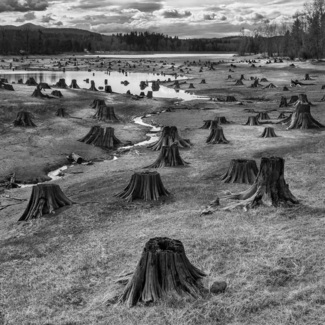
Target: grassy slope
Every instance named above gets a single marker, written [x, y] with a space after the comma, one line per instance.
[61, 269]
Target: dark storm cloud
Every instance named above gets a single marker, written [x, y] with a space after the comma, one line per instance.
[23, 6]
[176, 14]
[28, 16]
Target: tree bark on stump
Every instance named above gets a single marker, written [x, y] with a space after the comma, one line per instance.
[108, 89]
[163, 269]
[241, 171]
[61, 112]
[168, 157]
[24, 119]
[252, 120]
[61, 84]
[168, 136]
[293, 99]
[263, 116]
[256, 84]
[268, 133]
[281, 116]
[7, 87]
[216, 136]
[283, 102]
[307, 77]
[271, 85]
[38, 93]
[221, 120]
[231, 99]
[269, 188]
[57, 93]
[44, 85]
[149, 94]
[31, 82]
[209, 124]
[106, 113]
[191, 86]
[74, 84]
[302, 118]
[144, 185]
[97, 103]
[92, 86]
[45, 198]
[239, 83]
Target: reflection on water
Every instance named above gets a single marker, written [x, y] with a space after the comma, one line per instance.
[113, 78]
[164, 55]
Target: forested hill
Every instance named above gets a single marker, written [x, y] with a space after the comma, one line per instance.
[32, 39]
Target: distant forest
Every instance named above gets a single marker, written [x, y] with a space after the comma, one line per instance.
[31, 39]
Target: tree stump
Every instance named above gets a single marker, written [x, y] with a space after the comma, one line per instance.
[252, 120]
[191, 86]
[61, 112]
[302, 118]
[242, 77]
[144, 185]
[74, 84]
[216, 136]
[61, 84]
[168, 157]
[57, 93]
[256, 84]
[231, 99]
[24, 119]
[302, 98]
[293, 99]
[97, 103]
[38, 93]
[285, 88]
[106, 113]
[108, 89]
[31, 82]
[7, 87]
[229, 77]
[268, 133]
[264, 80]
[203, 81]
[163, 269]
[149, 94]
[271, 85]
[241, 171]
[20, 81]
[168, 136]
[283, 102]
[239, 83]
[45, 198]
[221, 120]
[307, 77]
[99, 137]
[281, 116]
[209, 124]
[92, 86]
[269, 188]
[73, 157]
[44, 85]
[263, 116]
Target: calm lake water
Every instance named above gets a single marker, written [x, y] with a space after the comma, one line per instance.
[218, 56]
[114, 79]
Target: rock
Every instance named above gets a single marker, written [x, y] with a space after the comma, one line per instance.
[218, 287]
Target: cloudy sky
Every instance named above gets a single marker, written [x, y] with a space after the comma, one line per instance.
[184, 18]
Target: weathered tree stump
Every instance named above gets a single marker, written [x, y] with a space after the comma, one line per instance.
[302, 98]
[144, 185]
[106, 113]
[61, 84]
[11, 182]
[168, 157]
[97, 103]
[92, 86]
[302, 118]
[264, 80]
[285, 88]
[24, 119]
[239, 83]
[307, 77]
[241, 171]
[38, 93]
[57, 93]
[31, 82]
[43, 85]
[108, 89]
[73, 157]
[45, 198]
[7, 87]
[203, 81]
[163, 269]
[20, 81]
[281, 116]
[149, 94]
[231, 99]
[209, 124]
[242, 77]
[271, 85]
[283, 102]
[74, 84]
[216, 136]
[293, 99]
[99, 137]
[252, 120]
[221, 120]
[263, 116]
[256, 84]
[269, 187]
[168, 136]
[155, 86]
[229, 77]
[268, 133]
[191, 86]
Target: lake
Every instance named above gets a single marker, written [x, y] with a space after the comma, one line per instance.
[114, 79]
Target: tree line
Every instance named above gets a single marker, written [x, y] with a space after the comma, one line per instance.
[304, 38]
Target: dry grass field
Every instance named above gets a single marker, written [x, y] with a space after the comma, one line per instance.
[62, 269]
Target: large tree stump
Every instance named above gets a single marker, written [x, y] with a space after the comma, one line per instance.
[61, 84]
[283, 102]
[144, 185]
[57, 93]
[271, 85]
[45, 198]
[239, 83]
[168, 157]
[252, 120]
[31, 82]
[263, 116]
[168, 136]
[38, 93]
[24, 119]
[74, 84]
[209, 124]
[307, 77]
[293, 99]
[61, 112]
[44, 85]
[231, 99]
[302, 118]
[97, 103]
[92, 86]
[241, 171]
[216, 136]
[106, 113]
[256, 84]
[269, 188]
[281, 116]
[163, 269]
[268, 133]
[108, 89]
[221, 120]
[99, 137]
